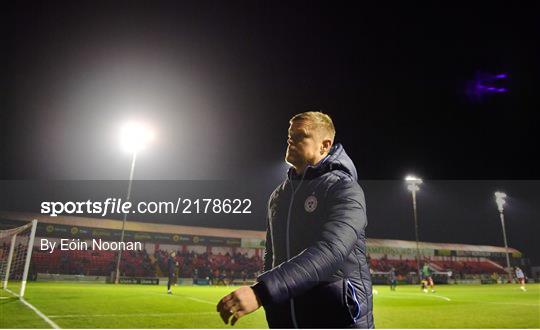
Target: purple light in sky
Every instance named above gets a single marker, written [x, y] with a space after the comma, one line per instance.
[486, 84]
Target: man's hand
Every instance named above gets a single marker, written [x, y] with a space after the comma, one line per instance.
[237, 304]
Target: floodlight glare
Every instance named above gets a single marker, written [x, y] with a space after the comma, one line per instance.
[413, 182]
[412, 185]
[500, 200]
[134, 136]
[412, 178]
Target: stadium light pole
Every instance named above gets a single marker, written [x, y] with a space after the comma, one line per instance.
[500, 199]
[413, 186]
[134, 137]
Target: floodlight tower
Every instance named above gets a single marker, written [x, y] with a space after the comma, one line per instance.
[134, 137]
[413, 183]
[500, 199]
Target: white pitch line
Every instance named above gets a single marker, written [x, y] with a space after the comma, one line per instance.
[448, 299]
[191, 298]
[398, 295]
[129, 315]
[37, 311]
[203, 301]
[442, 297]
[510, 303]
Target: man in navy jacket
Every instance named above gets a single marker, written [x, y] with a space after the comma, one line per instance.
[315, 267]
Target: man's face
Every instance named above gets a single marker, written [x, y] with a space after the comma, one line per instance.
[303, 146]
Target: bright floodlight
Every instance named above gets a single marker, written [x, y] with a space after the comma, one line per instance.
[413, 182]
[134, 136]
[412, 178]
[500, 200]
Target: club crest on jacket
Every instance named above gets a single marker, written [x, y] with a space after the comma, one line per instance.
[310, 204]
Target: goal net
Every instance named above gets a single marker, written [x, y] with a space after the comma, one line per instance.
[15, 253]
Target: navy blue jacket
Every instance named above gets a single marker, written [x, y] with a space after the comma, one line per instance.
[315, 267]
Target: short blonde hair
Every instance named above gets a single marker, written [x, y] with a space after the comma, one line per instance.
[317, 120]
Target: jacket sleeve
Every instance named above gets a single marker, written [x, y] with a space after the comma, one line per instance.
[268, 253]
[346, 222]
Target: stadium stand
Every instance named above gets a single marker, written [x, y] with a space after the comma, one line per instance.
[140, 264]
[214, 254]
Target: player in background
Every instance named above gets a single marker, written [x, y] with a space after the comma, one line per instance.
[427, 279]
[171, 265]
[423, 285]
[392, 279]
[220, 275]
[520, 278]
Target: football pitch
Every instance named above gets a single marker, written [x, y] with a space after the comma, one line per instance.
[76, 305]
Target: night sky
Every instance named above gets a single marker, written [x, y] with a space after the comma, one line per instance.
[219, 80]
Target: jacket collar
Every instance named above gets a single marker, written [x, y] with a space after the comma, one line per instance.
[337, 158]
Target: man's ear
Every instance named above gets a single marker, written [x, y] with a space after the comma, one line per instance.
[326, 145]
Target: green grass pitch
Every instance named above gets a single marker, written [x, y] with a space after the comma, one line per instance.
[75, 305]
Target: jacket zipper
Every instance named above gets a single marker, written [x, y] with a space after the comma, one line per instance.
[293, 314]
[356, 317]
